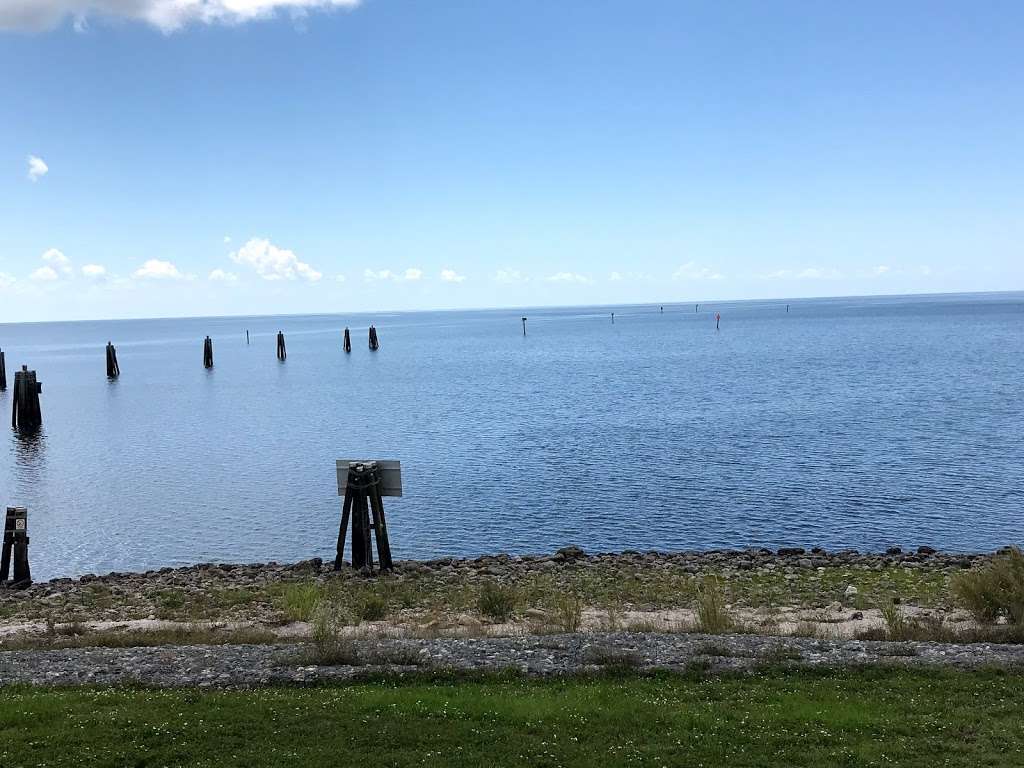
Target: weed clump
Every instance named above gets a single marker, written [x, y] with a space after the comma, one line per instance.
[496, 601]
[996, 590]
[713, 616]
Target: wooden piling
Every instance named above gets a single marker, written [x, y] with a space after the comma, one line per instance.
[363, 509]
[718, 319]
[26, 416]
[247, 337]
[374, 341]
[282, 353]
[3, 372]
[524, 326]
[613, 318]
[15, 547]
[113, 369]
[347, 343]
[208, 353]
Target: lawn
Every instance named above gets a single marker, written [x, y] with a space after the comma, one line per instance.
[776, 718]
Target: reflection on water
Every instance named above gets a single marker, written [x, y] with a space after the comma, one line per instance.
[29, 451]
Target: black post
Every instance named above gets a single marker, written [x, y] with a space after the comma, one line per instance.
[374, 341]
[347, 343]
[113, 369]
[364, 507]
[208, 353]
[524, 326]
[247, 336]
[16, 544]
[282, 353]
[26, 415]
[613, 318]
[3, 372]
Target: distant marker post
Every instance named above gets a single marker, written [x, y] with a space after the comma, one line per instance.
[718, 318]
[524, 326]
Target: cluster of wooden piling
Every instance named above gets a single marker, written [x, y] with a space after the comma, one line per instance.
[208, 353]
[282, 351]
[3, 372]
[374, 342]
[363, 498]
[26, 415]
[347, 343]
[113, 369]
[15, 548]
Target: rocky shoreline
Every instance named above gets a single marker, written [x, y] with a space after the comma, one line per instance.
[542, 656]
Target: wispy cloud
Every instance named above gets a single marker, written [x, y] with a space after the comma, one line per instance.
[413, 274]
[37, 168]
[221, 276]
[6, 280]
[58, 261]
[568, 277]
[373, 275]
[509, 276]
[94, 271]
[273, 263]
[451, 276]
[155, 269]
[693, 271]
[165, 15]
[44, 275]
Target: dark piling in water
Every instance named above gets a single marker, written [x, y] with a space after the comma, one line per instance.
[718, 319]
[282, 352]
[347, 343]
[26, 415]
[613, 318]
[15, 547]
[113, 369]
[208, 353]
[3, 372]
[247, 336]
[524, 326]
[374, 341]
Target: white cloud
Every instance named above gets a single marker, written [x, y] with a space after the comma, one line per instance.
[413, 274]
[160, 270]
[273, 263]
[45, 275]
[615, 277]
[370, 275]
[567, 277]
[880, 270]
[94, 270]
[510, 276]
[693, 271]
[220, 276]
[58, 261]
[451, 276]
[36, 167]
[6, 281]
[166, 15]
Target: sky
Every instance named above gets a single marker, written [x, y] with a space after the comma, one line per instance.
[216, 157]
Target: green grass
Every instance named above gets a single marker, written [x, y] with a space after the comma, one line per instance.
[773, 718]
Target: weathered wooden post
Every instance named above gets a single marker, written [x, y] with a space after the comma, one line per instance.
[363, 484]
[3, 372]
[26, 415]
[347, 343]
[16, 545]
[282, 353]
[247, 337]
[113, 369]
[718, 319]
[524, 326]
[374, 341]
[613, 318]
[208, 353]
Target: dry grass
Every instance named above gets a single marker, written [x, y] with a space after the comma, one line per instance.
[713, 617]
[995, 590]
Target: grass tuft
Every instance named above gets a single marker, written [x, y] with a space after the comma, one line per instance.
[496, 601]
[713, 617]
[994, 591]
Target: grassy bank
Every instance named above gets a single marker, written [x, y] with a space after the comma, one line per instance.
[867, 717]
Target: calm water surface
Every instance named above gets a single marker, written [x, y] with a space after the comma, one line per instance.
[842, 423]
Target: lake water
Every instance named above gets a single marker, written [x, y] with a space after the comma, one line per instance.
[843, 423]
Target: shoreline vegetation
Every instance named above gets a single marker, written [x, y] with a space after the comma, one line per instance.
[921, 595]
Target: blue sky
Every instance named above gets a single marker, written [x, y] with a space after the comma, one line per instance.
[184, 157]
